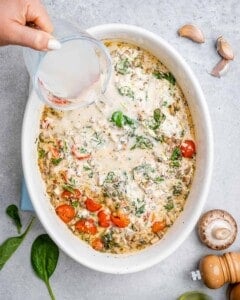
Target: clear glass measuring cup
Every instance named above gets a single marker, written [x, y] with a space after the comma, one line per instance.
[74, 75]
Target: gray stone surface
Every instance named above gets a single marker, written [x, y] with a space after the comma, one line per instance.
[170, 278]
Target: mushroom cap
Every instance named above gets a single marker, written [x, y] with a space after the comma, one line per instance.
[217, 229]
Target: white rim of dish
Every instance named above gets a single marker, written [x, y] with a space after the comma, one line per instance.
[121, 28]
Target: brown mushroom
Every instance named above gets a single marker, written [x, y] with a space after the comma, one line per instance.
[217, 229]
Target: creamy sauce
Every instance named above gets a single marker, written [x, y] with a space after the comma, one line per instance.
[123, 153]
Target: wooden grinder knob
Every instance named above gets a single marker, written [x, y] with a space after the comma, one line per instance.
[234, 292]
[217, 270]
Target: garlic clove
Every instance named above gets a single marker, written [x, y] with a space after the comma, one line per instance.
[221, 68]
[224, 49]
[192, 32]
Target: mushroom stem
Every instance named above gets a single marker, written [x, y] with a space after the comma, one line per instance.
[221, 233]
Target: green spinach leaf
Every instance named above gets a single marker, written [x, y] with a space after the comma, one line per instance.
[10, 246]
[12, 212]
[44, 258]
[56, 161]
[122, 67]
[120, 119]
[126, 91]
[142, 142]
[168, 76]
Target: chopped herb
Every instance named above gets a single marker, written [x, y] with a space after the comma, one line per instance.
[122, 67]
[41, 153]
[90, 175]
[158, 179]
[182, 133]
[110, 176]
[176, 154]
[164, 103]
[120, 119]
[97, 138]
[175, 164]
[168, 76]
[65, 147]
[75, 203]
[177, 189]
[72, 181]
[68, 187]
[169, 206]
[140, 210]
[56, 161]
[139, 207]
[86, 168]
[142, 143]
[159, 138]
[176, 157]
[83, 150]
[158, 118]
[108, 241]
[145, 171]
[126, 91]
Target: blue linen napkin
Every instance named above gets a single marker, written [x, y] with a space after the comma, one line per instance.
[25, 201]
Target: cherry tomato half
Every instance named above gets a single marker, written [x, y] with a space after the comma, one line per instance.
[65, 212]
[103, 219]
[188, 148]
[92, 205]
[86, 226]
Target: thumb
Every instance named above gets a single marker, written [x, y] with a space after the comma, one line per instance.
[33, 38]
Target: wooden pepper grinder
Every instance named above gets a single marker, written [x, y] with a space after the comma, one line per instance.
[233, 292]
[217, 270]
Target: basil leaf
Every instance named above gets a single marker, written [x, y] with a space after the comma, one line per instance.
[10, 246]
[12, 212]
[44, 258]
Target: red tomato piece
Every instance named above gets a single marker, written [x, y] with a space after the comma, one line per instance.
[103, 219]
[158, 226]
[86, 226]
[97, 244]
[65, 212]
[75, 194]
[91, 205]
[188, 148]
[80, 155]
[120, 220]
[55, 152]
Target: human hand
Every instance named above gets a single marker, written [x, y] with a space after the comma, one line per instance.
[15, 15]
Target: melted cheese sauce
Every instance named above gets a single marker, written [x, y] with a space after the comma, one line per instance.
[123, 153]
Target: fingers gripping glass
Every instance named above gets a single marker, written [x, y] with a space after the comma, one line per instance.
[70, 77]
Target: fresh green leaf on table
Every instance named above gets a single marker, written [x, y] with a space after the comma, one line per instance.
[11, 244]
[12, 212]
[44, 258]
[194, 295]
